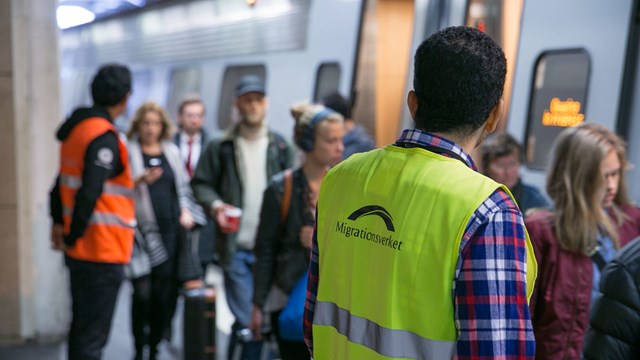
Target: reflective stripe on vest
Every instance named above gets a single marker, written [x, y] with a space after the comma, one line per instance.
[385, 341]
[390, 224]
[103, 218]
[109, 235]
[75, 182]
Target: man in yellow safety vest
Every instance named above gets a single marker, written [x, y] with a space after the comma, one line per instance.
[417, 255]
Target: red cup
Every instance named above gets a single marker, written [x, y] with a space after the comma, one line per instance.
[233, 215]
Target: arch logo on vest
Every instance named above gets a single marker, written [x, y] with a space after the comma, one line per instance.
[350, 229]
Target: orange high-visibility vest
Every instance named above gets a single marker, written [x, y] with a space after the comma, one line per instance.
[109, 235]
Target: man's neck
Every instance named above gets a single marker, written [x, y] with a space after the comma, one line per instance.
[114, 111]
[467, 143]
[190, 134]
[250, 132]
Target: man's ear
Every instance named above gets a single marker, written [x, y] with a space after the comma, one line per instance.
[494, 117]
[125, 100]
[412, 103]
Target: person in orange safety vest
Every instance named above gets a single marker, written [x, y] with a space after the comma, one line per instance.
[93, 210]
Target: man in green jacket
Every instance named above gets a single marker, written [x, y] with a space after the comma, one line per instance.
[233, 172]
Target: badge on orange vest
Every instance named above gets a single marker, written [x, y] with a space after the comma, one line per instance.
[105, 158]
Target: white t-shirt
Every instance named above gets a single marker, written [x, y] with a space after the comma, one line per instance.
[253, 163]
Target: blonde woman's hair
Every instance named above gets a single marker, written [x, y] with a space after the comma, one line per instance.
[575, 185]
[304, 130]
[150, 106]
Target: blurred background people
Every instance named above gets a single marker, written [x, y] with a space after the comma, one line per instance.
[283, 240]
[93, 211]
[191, 139]
[164, 210]
[501, 157]
[591, 218]
[232, 173]
[614, 325]
[356, 139]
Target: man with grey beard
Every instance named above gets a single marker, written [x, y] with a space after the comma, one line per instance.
[233, 172]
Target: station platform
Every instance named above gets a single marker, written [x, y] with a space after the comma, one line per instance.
[120, 345]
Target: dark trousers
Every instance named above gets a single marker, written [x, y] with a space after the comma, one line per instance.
[289, 350]
[94, 291]
[152, 304]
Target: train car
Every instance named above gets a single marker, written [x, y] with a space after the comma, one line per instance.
[303, 49]
[568, 60]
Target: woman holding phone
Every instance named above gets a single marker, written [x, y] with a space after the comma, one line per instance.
[164, 211]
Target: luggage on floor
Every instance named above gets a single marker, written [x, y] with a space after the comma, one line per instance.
[200, 324]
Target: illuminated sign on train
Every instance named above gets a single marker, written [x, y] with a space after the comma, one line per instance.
[563, 113]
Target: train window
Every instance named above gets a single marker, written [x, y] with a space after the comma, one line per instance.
[232, 75]
[327, 80]
[184, 80]
[558, 95]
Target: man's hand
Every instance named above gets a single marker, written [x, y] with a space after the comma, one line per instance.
[255, 325]
[193, 284]
[57, 237]
[306, 236]
[186, 219]
[223, 223]
[150, 175]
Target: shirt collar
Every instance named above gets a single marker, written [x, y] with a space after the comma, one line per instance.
[184, 137]
[421, 138]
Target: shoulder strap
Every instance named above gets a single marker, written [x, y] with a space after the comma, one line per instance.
[286, 196]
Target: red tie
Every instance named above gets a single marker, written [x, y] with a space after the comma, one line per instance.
[189, 168]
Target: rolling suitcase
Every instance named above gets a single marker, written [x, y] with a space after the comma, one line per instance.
[200, 324]
[246, 348]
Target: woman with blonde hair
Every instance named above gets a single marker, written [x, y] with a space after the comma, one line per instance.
[284, 236]
[591, 219]
[164, 211]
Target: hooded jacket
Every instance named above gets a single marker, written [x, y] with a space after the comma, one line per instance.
[96, 172]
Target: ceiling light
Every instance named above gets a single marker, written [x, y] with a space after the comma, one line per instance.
[70, 16]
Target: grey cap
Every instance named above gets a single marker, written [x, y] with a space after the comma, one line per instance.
[250, 83]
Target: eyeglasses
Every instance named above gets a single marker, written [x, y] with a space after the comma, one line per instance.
[501, 166]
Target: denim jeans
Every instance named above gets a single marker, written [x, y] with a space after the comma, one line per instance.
[238, 284]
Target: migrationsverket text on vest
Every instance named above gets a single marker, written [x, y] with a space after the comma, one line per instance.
[365, 234]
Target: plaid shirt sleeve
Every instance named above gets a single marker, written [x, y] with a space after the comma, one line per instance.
[312, 291]
[491, 310]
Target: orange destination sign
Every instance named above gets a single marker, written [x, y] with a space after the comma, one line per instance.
[562, 113]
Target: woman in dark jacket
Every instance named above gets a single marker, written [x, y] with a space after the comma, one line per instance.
[165, 212]
[282, 245]
[591, 217]
[615, 317]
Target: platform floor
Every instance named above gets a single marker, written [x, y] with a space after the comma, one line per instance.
[120, 344]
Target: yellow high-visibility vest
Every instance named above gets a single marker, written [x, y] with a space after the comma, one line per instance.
[390, 223]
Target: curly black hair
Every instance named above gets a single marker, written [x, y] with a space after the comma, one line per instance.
[111, 84]
[458, 79]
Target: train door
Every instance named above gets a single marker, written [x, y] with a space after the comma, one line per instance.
[629, 114]
[390, 33]
[569, 69]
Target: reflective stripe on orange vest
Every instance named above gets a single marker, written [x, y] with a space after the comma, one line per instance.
[109, 235]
